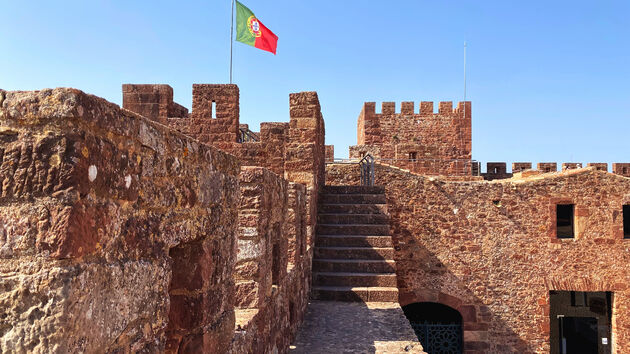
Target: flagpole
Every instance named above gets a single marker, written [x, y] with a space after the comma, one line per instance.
[231, 39]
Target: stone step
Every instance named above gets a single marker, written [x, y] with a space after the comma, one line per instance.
[353, 241]
[352, 198]
[343, 218]
[345, 293]
[354, 279]
[354, 252]
[354, 189]
[353, 229]
[352, 208]
[354, 265]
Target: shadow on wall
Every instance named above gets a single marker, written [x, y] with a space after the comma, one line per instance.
[423, 277]
[438, 327]
[480, 326]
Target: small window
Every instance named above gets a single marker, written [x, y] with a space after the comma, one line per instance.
[626, 221]
[413, 156]
[213, 109]
[564, 220]
[496, 171]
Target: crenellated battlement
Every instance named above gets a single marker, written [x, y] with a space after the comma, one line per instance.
[215, 120]
[154, 101]
[498, 170]
[425, 108]
[416, 131]
[620, 168]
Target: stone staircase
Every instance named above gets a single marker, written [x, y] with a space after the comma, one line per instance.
[354, 257]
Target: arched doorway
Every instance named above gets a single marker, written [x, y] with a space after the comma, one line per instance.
[438, 327]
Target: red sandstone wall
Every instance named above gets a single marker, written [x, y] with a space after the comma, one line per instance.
[330, 153]
[442, 141]
[284, 217]
[343, 174]
[488, 249]
[269, 152]
[295, 150]
[305, 151]
[521, 166]
[288, 149]
[118, 234]
[261, 219]
[498, 170]
[621, 169]
[132, 225]
[275, 213]
[273, 267]
[152, 101]
[221, 131]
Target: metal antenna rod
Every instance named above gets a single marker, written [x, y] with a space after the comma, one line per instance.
[231, 39]
[465, 71]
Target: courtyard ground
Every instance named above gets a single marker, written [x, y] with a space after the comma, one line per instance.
[355, 327]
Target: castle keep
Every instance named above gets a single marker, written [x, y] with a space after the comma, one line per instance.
[421, 141]
[149, 228]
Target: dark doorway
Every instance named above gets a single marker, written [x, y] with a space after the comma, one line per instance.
[578, 334]
[438, 327]
[580, 322]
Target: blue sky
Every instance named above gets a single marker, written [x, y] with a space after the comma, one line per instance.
[548, 80]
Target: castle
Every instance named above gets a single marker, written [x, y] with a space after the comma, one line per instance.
[151, 229]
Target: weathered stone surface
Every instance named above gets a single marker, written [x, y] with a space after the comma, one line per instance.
[489, 249]
[330, 153]
[118, 234]
[421, 141]
[101, 211]
[152, 101]
[273, 268]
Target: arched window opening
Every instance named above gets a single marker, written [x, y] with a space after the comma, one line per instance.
[438, 327]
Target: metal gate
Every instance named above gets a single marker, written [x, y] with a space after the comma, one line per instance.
[439, 338]
[367, 170]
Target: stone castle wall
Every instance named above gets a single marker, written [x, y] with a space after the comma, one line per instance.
[153, 229]
[277, 214]
[117, 233]
[273, 262]
[152, 101]
[498, 170]
[489, 249]
[422, 141]
[134, 237]
[294, 150]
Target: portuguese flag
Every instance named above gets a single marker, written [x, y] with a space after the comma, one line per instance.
[250, 30]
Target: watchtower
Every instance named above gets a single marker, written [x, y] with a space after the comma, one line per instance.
[422, 141]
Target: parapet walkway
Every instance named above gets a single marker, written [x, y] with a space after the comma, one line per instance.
[355, 327]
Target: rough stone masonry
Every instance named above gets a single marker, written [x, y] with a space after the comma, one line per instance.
[100, 209]
[491, 250]
[119, 234]
[151, 229]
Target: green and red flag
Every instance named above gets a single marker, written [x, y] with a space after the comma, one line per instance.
[250, 30]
